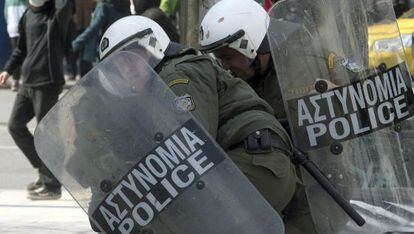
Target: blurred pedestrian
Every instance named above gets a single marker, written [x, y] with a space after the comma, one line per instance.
[13, 11]
[42, 31]
[4, 38]
[105, 13]
[82, 18]
[151, 9]
[70, 56]
[170, 8]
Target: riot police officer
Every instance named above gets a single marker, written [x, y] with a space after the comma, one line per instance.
[236, 33]
[241, 122]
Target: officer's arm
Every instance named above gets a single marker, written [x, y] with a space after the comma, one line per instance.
[240, 103]
[19, 53]
[237, 97]
[196, 91]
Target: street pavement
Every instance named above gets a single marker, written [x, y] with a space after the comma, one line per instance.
[17, 213]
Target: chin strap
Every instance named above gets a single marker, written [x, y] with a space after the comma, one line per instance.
[256, 65]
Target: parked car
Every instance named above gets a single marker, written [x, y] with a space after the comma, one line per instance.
[384, 42]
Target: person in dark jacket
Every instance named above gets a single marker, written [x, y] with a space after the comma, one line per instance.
[105, 13]
[13, 11]
[150, 9]
[39, 52]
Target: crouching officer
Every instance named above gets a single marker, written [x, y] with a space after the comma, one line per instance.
[236, 33]
[241, 122]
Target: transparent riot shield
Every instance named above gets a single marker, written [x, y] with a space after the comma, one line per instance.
[348, 95]
[137, 162]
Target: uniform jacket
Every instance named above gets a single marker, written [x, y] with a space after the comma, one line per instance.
[267, 87]
[227, 108]
[40, 54]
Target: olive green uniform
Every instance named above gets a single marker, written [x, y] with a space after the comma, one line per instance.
[267, 87]
[230, 111]
[298, 217]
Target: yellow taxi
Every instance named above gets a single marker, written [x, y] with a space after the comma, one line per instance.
[385, 45]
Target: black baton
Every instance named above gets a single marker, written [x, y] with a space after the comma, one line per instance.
[302, 159]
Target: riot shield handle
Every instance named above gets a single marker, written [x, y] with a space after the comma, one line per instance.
[302, 159]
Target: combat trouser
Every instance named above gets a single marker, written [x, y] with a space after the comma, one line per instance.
[29, 103]
[271, 171]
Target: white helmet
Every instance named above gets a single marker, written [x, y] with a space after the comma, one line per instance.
[146, 32]
[239, 24]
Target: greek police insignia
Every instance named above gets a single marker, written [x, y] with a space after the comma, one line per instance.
[185, 102]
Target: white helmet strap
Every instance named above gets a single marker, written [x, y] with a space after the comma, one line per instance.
[223, 42]
[239, 41]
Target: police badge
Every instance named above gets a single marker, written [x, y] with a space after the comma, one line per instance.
[185, 103]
